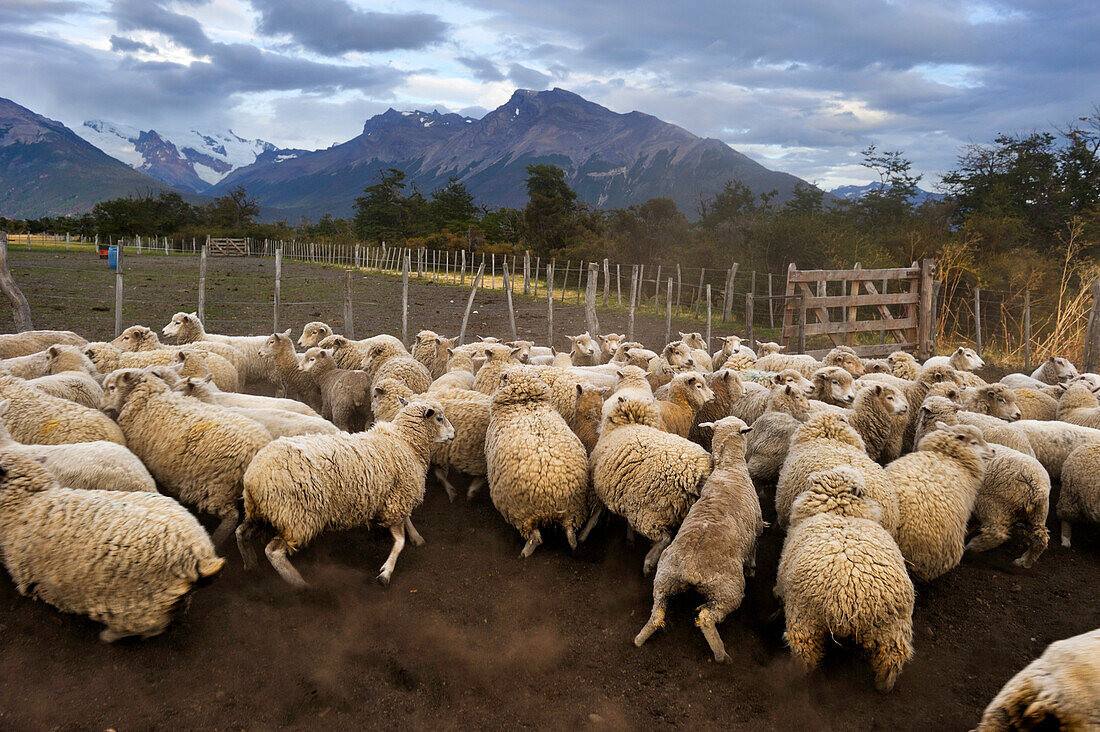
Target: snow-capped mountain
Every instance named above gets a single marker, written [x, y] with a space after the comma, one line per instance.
[854, 193]
[191, 160]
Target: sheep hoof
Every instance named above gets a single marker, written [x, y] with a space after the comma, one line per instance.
[531, 545]
[723, 658]
[884, 682]
[384, 579]
[108, 635]
[571, 537]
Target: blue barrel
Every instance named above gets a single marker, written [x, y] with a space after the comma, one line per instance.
[112, 257]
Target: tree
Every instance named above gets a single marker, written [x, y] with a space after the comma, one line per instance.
[452, 207]
[235, 209]
[893, 198]
[382, 214]
[549, 215]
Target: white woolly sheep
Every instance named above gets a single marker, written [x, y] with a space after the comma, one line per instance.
[833, 385]
[768, 444]
[301, 486]
[537, 467]
[1078, 406]
[937, 487]
[879, 415]
[431, 349]
[904, 366]
[842, 576]
[278, 422]
[805, 365]
[647, 476]
[127, 560]
[197, 451]
[459, 375]
[345, 393]
[961, 359]
[996, 400]
[609, 346]
[727, 387]
[844, 357]
[138, 338]
[1015, 488]
[699, 352]
[387, 361]
[187, 328]
[687, 393]
[497, 359]
[75, 386]
[731, 345]
[13, 345]
[108, 358]
[585, 351]
[716, 545]
[587, 415]
[1058, 690]
[297, 383]
[1053, 442]
[768, 348]
[1034, 404]
[941, 409]
[30, 366]
[202, 388]
[34, 417]
[754, 400]
[1055, 370]
[1079, 499]
[313, 333]
[62, 359]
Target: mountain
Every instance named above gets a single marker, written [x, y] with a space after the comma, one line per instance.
[854, 193]
[47, 170]
[611, 160]
[190, 161]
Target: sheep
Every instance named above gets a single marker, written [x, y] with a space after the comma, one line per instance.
[805, 365]
[841, 575]
[72, 385]
[13, 345]
[903, 365]
[727, 387]
[587, 415]
[127, 560]
[459, 375]
[609, 346]
[661, 372]
[940, 409]
[754, 401]
[879, 416]
[527, 352]
[537, 468]
[947, 389]
[34, 417]
[996, 400]
[301, 486]
[313, 333]
[1015, 488]
[387, 361]
[297, 383]
[1058, 690]
[687, 393]
[770, 439]
[202, 387]
[1079, 406]
[937, 488]
[62, 359]
[139, 338]
[30, 366]
[634, 354]
[498, 359]
[1055, 370]
[88, 465]
[345, 393]
[1034, 404]
[823, 442]
[876, 366]
[278, 422]
[431, 349]
[676, 353]
[916, 391]
[833, 385]
[198, 451]
[1053, 442]
[699, 353]
[961, 359]
[731, 345]
[647, 476]
[1079, 499]
[768, 348]
[108, 358]
[740, 362]
[585, 351]
[187, 328]
[845, 358]
[468, 413]
[716, 545]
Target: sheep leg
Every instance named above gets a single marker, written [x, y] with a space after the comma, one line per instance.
[630, 534]
[532, 544]
[592, 520]
[245, 533]
[807, 644]
[1067, 534]
[110, 635]
[571, 537]
[887, 658]
[654, 554]
[475, 486]
[988, 538]
[412, 533]
[276, 552]
[441, 476]
[398, 533]
[656, 618]
[1039, 538]
[708, 623]
[225, 528]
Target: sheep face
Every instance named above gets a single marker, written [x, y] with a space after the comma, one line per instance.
[834, 384]
[1001, 402]
[768, 348]
[947, 390]
[1062, 368]
[790, 377]
[116, 390]
[694, 387]
[678, 353]
[316, 359]
[693, 340]
[966, 359]
[611, 343]
[132, 338]
[891, 397]
[584, 349]
[274, 343]
[961, 438]
[180, 324]
[313, 333]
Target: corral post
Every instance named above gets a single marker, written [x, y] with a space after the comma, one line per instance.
[508, 299]
[405, 300]
[657, 292]
[1027, 330]
[709, 346]
[565, 280]
[493, 272]
[978, 319]
[749, 334]
[463, 280]
[699, 294]
[619, 284]
[356, 256]
[771, 305]
[606, 280]
[67, 243]
[924, 320]
[535, 284]
[549, 304]
[470, 302]
[679, 288]
[202, 282]
[20, 309]
[527, 272]
[278, 288]
[1092, 334]
[668, 311]
[118, 294]
[590, 319]
[136, 238]
[727, 301]
[349, 327]
[802, 323]
[634, 275]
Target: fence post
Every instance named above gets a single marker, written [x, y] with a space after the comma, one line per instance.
[118, 294]
[699, 294]
[606, 280]
[549, 303]
[590, 300]
[924, 320]
[679, 288]
[727, 301]
[20, 309]
[802, 323]
[508, 299]
[565, 280]
[749, 334]
[771, 305]
[709, 345]
[470, 302]
[1092, 334]
[657, 292]
[535, 284]
[278, 287]
[633, 297]
[668, 310]
[405, 299]
[463, 281]
[1027, 330]
[978, 319]
[527, 272]
[349, 327]
[202, 282]
[619, 284]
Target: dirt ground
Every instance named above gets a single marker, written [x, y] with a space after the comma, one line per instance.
[468, 634]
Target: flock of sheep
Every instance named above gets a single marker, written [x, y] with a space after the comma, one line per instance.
[876, 469]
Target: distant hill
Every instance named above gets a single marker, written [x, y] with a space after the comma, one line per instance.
[47, 170]
[854, 193]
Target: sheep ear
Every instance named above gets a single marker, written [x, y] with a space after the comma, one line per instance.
[181, 356]
[429, 414]
[878, 389]
[208, 378]
[126, 376]
[450, 351]
[940, 425]
[379, 391]
[704, 425]
[960, 350]
[788, 389]
[4, 406]
[580, 389]
[53, 351]
[727, 374]
[622, 399]
[1053, 359]
[746, 429]
[287, 332]
[403, 401]
[177, 367]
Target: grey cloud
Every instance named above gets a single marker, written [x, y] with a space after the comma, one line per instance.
[333, 27]
[482, 68]
[21, 12]
[128, 45]
[151, 15]
[527, 78]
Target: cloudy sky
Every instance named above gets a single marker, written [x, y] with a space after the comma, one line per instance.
[800, 85]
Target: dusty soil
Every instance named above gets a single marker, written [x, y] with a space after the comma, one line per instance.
[469, 634]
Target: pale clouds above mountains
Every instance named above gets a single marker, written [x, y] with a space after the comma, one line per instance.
[801, 85]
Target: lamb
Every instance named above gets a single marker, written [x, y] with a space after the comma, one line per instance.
[34, 417]
[127, 560]
[1034, 404]
[768, 348]
[75, 386]
[1058, 690]
[727, 387]
[587, 415]
[768, 443]
[904, 366]
[947, 389]
[1079, 499]
[961, 359]
[138, 338]
[1079, 406]
[805, 365]
[187, 328]
[345, 393]
[647, 476]
[196, 450]
[845, 358]
[996, 400]
[278, 422]
[731, 345]
[431, 349]
[833, 385]
[585, 350]
[687, 394]
[468, 413]
[699, 353]
[716, 545]
[1015, 488]
[313, 333]
[387, 361]
[87, 465]
[937, 488]
[824, 442]
[297, 383]
[301, 486]
[609, 346]
[201, 388]
[1055, 370]
[537, 467]
[879, 416]
[13, 345]
[841, 575]
[940, 409]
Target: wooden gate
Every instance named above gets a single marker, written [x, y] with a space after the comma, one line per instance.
[831, 307]
[227, 247]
